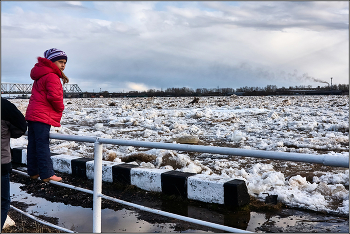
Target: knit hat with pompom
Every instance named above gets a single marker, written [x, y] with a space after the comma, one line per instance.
[55, 54]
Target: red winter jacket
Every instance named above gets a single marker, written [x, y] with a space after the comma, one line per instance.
[46, 102]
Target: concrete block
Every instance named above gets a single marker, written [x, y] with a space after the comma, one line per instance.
[107, 174]
[79, 167]
[236, 193]
[16, 155]
[19, 155]
[147, 178]
[121, 173]
[175, 182]
[200, 187]
[24, 156]
[206, 188]
[63, 163]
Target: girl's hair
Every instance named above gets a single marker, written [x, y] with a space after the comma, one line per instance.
[64, 78]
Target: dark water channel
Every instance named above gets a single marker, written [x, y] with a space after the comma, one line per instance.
[80, 219]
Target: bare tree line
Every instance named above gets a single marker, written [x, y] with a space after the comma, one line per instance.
[340, 89]
[269, 89]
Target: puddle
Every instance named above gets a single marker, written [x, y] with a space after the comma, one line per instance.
[80, 219]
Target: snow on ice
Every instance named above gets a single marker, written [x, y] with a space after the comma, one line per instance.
[302, 124]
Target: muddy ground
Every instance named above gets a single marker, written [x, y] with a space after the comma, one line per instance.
[73, 197]
[164, 202]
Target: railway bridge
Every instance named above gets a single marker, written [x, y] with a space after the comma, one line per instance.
[14, 88]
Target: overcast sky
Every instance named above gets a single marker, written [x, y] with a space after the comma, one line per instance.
[134, 45]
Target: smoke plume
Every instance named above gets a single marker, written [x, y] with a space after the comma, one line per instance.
[306, 76]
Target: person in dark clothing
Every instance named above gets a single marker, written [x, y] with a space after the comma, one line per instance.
[13, 125]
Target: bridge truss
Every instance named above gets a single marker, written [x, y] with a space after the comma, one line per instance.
[12, 88]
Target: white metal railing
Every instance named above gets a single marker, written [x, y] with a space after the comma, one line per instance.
[327, 160]
[97, 225]
[97, 187]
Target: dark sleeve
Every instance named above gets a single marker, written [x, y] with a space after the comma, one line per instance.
[9, 112]
[16, 132]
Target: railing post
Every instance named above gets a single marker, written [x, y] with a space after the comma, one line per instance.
[97, 187]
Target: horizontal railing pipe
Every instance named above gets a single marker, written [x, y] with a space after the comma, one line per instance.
[327, 160]
[58, 183]
[42, 221]
[57, 136]
[175, 216]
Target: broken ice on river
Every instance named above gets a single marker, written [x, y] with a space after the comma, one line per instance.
[301, 124]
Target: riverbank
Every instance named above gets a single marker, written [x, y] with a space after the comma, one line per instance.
[256, 217]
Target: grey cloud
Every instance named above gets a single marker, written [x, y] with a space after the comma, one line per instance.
[166, 71]
[46, 26]
[282, 15]
[170, 50]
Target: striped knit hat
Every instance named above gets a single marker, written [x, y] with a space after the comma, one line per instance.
[55, 54]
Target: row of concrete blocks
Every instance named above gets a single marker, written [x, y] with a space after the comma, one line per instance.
[205, 188]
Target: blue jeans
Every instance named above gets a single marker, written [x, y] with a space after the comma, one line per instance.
[38, 150]
[5, 197]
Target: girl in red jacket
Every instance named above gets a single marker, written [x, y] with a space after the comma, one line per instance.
[45, 109]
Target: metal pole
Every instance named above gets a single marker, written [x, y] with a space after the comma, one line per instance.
[97, 187]
[58, 136]
[327, 160]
